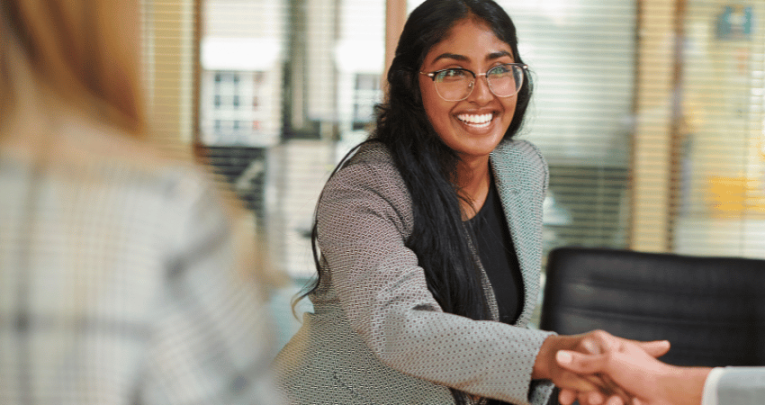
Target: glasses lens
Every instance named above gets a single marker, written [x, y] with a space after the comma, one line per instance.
[453, 84]
[505, 80]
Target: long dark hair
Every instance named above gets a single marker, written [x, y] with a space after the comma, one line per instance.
[426, 164]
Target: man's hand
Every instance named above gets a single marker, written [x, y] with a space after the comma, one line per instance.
[637, 372]
[590, 389]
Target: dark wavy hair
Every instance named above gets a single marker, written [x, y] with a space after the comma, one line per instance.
[439, 238]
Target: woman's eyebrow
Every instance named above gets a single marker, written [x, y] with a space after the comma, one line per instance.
[463, 58]
[454, 56]
[497, 55]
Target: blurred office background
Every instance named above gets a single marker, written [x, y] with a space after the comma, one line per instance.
[650, 113]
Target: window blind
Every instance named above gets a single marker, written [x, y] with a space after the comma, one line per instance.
[652, 142]
[720, 164]
[170, 50]
[697, 168]
[286, 87]
[582, 58]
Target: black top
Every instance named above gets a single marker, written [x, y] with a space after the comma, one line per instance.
[497, 253]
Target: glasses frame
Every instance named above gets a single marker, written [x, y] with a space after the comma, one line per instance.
[432, 75]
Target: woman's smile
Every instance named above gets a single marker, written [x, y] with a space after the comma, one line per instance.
[476, 120]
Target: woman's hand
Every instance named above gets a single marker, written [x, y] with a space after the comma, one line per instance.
[650, 381]
[589, 389]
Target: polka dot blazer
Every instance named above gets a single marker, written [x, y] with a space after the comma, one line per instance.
[377, 335]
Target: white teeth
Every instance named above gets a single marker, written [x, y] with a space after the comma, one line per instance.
[476, 119]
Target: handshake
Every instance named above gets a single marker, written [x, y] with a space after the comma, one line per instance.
[598, 368]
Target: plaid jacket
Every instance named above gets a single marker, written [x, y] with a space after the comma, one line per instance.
[119, 282]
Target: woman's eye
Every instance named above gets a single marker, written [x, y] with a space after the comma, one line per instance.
[451, 74]
[500, 70]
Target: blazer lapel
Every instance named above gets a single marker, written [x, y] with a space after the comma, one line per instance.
[522, 194]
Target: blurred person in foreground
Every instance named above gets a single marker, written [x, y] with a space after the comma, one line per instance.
[122, 274]
[653, 382]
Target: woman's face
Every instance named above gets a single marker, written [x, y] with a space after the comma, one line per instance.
[474, 126]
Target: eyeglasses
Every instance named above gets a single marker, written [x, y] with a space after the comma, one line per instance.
[456, 84]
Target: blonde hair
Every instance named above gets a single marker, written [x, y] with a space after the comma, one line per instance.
[79, 51]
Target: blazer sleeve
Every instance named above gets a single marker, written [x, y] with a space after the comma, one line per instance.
[741, 386]
[210, 343]
[363, 218]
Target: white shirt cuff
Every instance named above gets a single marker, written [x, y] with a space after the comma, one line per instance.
[709, 396]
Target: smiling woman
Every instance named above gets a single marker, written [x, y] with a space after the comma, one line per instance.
[428, 239]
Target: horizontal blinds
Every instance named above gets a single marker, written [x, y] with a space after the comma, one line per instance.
[720, 193]
[286, 87]
[242, 52]
[240, 98]
[582, 57]
[169, 29]
[652, 172]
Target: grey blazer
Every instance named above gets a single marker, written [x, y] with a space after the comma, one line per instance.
[741, 386]
[377, 335]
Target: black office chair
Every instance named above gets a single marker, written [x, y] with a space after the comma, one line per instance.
[711, 309]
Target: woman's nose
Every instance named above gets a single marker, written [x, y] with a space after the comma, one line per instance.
[481, 93]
